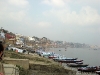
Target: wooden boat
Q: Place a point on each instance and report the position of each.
(79, 62)
(77, 65)
(52, 56)
(88, 69)
(44, 54)
(69, 61)
(97, 72)
(59, 58)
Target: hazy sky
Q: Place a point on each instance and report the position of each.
(75, 21)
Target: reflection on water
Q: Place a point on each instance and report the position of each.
(91, 57)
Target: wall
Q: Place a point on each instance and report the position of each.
(21, 62)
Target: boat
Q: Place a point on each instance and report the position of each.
(59, 50)
(52, 56)
(71, 58)
(63, 58)
(88, 69)
(95, 48)
(97, 72)
(69, 61)
(45, 54)
(79, 62)
(77, 65)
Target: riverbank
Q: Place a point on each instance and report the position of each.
(78, 72)
(39, 65)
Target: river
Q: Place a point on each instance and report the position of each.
(89, 56)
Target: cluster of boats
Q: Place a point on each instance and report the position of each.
(90, 69)
(71, 62)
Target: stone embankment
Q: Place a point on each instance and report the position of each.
(37, 65)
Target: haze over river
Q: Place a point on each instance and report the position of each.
(89, 56)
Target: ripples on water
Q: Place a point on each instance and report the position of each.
(90, 56)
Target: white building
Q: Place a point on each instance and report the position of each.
(2, 36)
(30, 38)
(19, 39)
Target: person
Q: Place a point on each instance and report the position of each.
(1, 54)
(1, 50)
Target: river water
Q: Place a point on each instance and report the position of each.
(89, 56)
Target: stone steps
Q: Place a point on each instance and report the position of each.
(10, 69)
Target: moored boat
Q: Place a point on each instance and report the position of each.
(88, 69)
(52, 56)
(45, 54)
(71, 58)
(97, 72)
(77, 65)
(69, 61)
(63, 58)
(79, 62)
